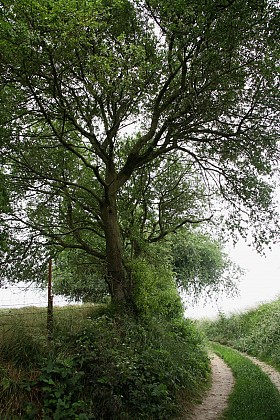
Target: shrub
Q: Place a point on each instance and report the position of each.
(156, 294)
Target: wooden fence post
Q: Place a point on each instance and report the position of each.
(50, 303)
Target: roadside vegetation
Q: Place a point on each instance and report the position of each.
(255, 332)
(99, 365)
(254, 396)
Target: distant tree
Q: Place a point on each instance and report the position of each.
(101, 98)
(188, 261)
(202, 267)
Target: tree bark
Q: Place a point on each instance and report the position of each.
(116, 272)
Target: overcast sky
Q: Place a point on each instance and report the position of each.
(260, 283)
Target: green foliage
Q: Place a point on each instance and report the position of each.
(201, 266)
(79, 277)
(4, 209)
(59, 382)
(162, 189)
(255, 331)
(254, 396)
(4, 195)
(155, 293)
(189, 260)
(136, 377)
(102, 366)
(123, 121)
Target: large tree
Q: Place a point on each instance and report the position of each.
(122, 121)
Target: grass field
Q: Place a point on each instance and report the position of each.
(255, 332)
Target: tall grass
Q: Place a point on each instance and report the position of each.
(99, 365)
(24, 333)
(256, 332)
(254, 397)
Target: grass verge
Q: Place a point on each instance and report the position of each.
(254, 397)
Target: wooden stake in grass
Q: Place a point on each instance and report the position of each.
(50, 303)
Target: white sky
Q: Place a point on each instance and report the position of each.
(21, 294)
(260, 283)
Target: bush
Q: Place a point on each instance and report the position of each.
(133, 370)
(156, 294)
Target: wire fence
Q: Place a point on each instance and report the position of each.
(21, 295)
(27, 306)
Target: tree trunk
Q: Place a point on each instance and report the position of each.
(117, 278)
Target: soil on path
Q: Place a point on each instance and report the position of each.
(215, 401)
(269, 370)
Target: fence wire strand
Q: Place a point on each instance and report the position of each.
(19, 310)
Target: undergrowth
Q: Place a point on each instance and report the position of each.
(254, 397)
(99, 365)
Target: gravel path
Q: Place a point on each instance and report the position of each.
(215, 401)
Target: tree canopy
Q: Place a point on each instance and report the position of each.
(122, 121)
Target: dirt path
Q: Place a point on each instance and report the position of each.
(215, 400)
(269, 370)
